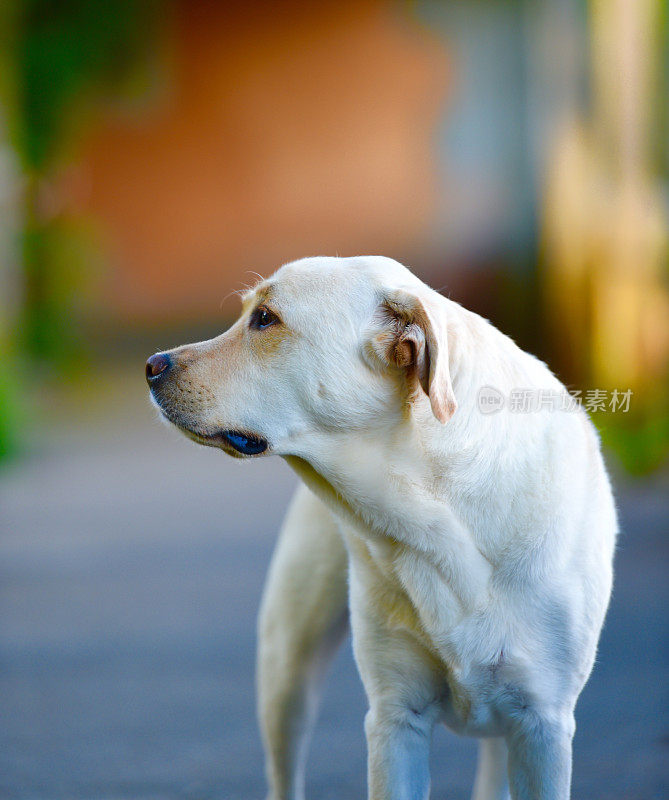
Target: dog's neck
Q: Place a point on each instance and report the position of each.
(393, 491)
(412, 481)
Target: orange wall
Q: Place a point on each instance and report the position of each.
(286, 130)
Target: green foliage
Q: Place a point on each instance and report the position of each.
(640, 442)
(57, 267)
(57, 58)
(9, 407)
(65, 48)
(65, 54)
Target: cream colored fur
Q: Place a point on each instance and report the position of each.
(473, 550)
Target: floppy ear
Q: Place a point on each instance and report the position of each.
(415, 339)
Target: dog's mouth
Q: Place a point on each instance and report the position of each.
(229, 440)
(232, 442)
(244, 443)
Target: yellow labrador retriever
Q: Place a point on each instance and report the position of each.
(454, 500)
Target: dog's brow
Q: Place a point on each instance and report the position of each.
(247, 299)
(254, 296)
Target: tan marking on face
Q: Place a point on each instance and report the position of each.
(212, 363)
(199, 368)
(205, 371)
(269, 341)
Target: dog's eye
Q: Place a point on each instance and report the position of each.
(261, 318)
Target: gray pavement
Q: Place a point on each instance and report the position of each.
(131, 566)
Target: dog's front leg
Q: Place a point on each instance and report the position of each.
(398, 744)
(303, 618)
(405, 684)
(540, 756)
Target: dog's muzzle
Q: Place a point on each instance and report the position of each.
(158, 367)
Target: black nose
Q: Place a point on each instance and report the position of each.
(157, 365)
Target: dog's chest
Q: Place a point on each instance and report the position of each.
(405, 592)
(408, 596)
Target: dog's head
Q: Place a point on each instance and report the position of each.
(339, 345)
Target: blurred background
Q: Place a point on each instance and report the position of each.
(156, 156)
